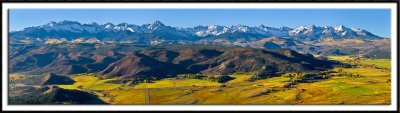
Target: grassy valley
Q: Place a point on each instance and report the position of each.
(366, 82)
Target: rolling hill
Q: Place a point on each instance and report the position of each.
(160, 61)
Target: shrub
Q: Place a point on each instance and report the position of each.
(219, 79)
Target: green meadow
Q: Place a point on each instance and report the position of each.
(370, 86)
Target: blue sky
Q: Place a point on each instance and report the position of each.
(376, 21)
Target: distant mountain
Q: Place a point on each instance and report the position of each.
(313, 32)
(123, 32)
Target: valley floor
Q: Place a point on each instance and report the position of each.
(369, 83)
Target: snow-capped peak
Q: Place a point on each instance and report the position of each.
(262, 26)
(297, 31)
(108, 25)
(68, 22)
(51, 23)
(158, 23)
(155, 25)
(340, 28)
(360, 31)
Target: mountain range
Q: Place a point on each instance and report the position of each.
(157, 30)
(325, 40)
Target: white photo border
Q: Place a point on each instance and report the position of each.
(394, 76)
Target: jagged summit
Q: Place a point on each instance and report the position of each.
(158, 23)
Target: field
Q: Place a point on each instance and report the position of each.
(371, 86)
(366, 82)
